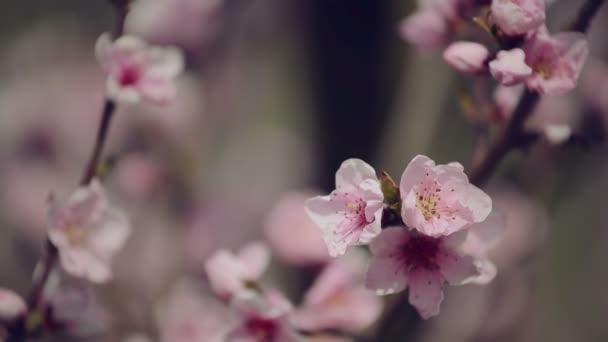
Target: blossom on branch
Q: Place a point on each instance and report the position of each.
(351, 214)
(137, 71)
(403, 258)
(518, 17)
(466, 57)
(88, 232)
(438, 200)
(509, 67)
(556, 61)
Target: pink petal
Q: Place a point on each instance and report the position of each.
(352, 173)
(386, 275)
(466, 57)
(426, 292)
(455, 268)
(255, 257)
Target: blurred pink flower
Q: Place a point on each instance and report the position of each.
(556, 60)
(87, 232)
(229, 274)
(338, 299)
(509, 67)
(351, 214)
(438, 200)
(466, 57)
(293, 236)
(426, 29)
(138, 71)
(187, 316)
(263, 319)
(403, 258)
(11, 305)
(518, 17)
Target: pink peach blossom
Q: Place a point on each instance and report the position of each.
(438, 200)
(263, 319)
(509, 67)
(338, 299)
(466, 57)
(293, 236)
(518, 17)
(88, 232)
(351, 214)
(403, 258)
(11, 305)
(228, 274)
(556, 61)
(138, 71)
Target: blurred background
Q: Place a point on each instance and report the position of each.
(277, 93)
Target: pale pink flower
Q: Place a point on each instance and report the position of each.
(88, 232)
(466, 57)
(293, 236)
(351, 214)
(556, 61)
(438, 199)
(263, 319)
(518, 17)
(426, 29)
(11, 305)
(138, 71)
(338, 299)
(509, 67)
(228, 273)
(403, 258)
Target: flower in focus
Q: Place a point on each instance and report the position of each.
(466, 57)
(88, 232)
(509, 67)
(291, 233)
(403, 258)
(229, 274)
(518, 17)
(138, 71)
(338, 299)
(438, 200)
(556, 61)
(11, 305)
(351, 214)
(263, 319)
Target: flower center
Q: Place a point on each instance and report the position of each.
(264, 330)
(428, 199)
(75, 234)
(544, 69)
(129, 76)
(420, 251)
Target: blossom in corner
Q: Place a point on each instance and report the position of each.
(229, 274)
(403, 258)
(466, 57)
(263, 318)
(438, 200)
(88, 232)
(556, 61)
(138, 71)
(510, 68)
(11, 305)
(518, 17)
(352, 213)
(338, 299)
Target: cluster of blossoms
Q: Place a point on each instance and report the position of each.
(337, 301)
(86, 232)
(446, 222)
(524, 52)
